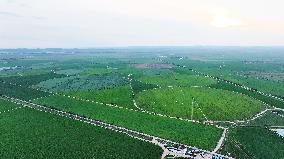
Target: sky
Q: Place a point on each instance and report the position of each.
(113, 23)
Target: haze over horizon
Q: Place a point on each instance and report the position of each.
(101, 23)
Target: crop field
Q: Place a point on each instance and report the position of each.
(178, 80)
(5, 106)
(121, 96)
(20, 92)
(271, 87)
(254, 142)
(78, 83)
(270, 118)
(100, 71)
(27, 133)
(187, 102)
(70, 72)
(141, 102)
(199, 135)
(269, 100)
(155, 72)
(27, 81)
(139, 86)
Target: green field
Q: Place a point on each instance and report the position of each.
(178, 80)
(30, 80)
(230, 87)
(121, 96)
(70, 71)
(254, 142)
(139, 86)
(194, 134)
(27, 133)
(82, 83)
(270, 87)
(5, 105)
(270, 118)
(215, 104)
(168, 92)
(21, 92)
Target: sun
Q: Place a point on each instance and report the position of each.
(221, 18)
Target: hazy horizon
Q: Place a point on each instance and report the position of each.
(126, 23)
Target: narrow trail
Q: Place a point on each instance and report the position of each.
(221, 141)
(133, 94)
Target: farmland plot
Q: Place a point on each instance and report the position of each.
(139, 86)
(5, 106)
(194, 134)
(215, 104)
(27, 133)
(121, 96)
(31, 79)
(231, 87)
(178, 80)
(270, 118)
(253, 142)
(20, 92)
(78, 83)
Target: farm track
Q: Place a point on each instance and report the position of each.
(191, 152)
(132, 91)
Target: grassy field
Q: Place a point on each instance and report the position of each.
(69, 72)
(139, 86)
(270, 118)
(178, 80)
(31, 79)
(174, 102)
(168, 80)
(121, 96)
(254, 142)
(194, 134)
(20, 92)
(269, 100)
(27, 133)
(5, 105)
(83, 83)
(233, 69)
(215, 104)
(267, 86)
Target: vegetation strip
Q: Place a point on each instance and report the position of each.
(29, 133)
(131, 133)
(215, 104)
(267, 101)
(253, 142)
(106, 104)
(10, 110)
